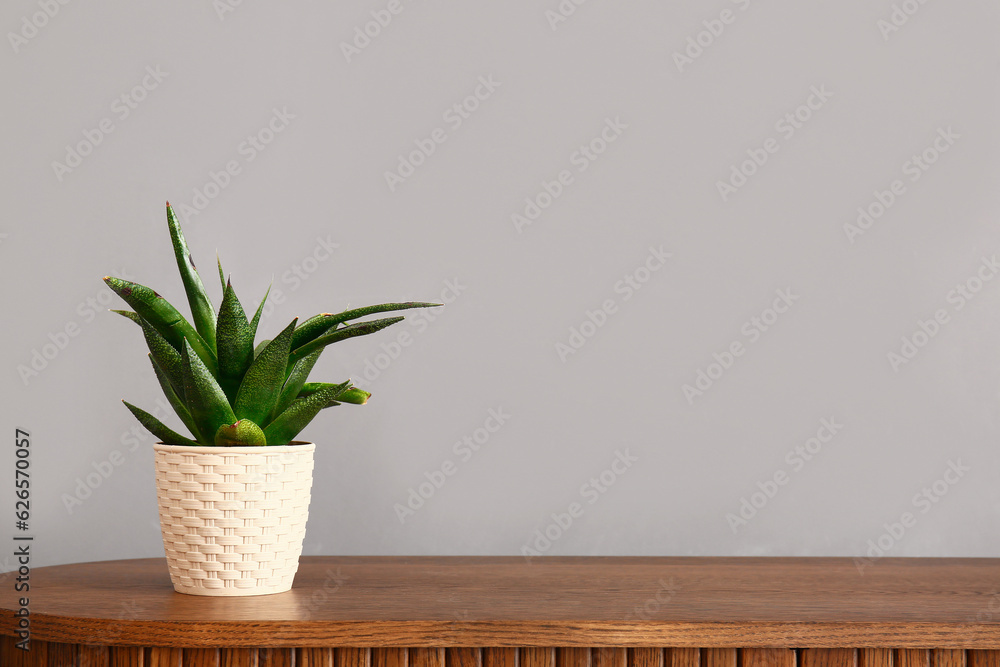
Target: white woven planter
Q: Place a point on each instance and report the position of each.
(233, 518)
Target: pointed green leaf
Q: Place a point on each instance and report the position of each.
(320, 324)
(355, 396)
(294, 383)
(222, 276)
(243, 433)
(347, 394)
(262, 383)
(165, 356)
(128, 314)
(164, 317)
(201, 308)
(234, 342)
(256, 316)
(158, 428)
(312, 388)
(295, 418)
(175, 401)
(260, 346)
(350, 331)
(203, 397)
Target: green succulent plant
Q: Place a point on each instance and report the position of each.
(225, 388)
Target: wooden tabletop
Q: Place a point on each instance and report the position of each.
(549, 601)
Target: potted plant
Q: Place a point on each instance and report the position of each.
(234, 497)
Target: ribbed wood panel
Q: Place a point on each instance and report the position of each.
(876, 657)
(90, 655)
(46, 654)
(507, 657)
(916, 657)
(537, 657)
(683, 657)
(314, 657)
(980, 658)
(718, 657)
(610, 657)
(275, 657)
(352, 657)
(202, 657)
(239, 657)
(767, 657)
(127, 656)
(948, 657)
(573, 657)
(390, 657)
(828, 657)
(164, 657)
(463, 657)
(645, 657)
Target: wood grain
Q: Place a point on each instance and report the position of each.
(314, 657)
(426, 657)
(611, 657)
(984, 658)
(390, 657)
(948, 658)
(506, 657)
(202, 657)
(352, 657)
(584, 602)
(239, 657)
(573, 657)
(126, 656)
(645, 657)
(876, 657)
(718, 657)
(683, 657)
(164, 657)
(276, 657)
(463, 657)
(93, 656)
(62, 654)
(537, 657)
(913, 658)
(828, 657)
(767, 657)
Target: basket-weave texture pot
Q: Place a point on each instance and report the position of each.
(233, 518)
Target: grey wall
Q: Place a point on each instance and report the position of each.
(582, 321)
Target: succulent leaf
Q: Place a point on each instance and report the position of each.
(311, 388)
(175, 401)
(350, 331)
(348, 393)
(243, 433)
(201, 308)
(165, 356)
(203, 397)
(163, 316)
(129, 315)
(319, 324)
(262, 383)
(158, 428)
(256, 316)
(355, 396)
(234, 341)
(260, 346)
(222, 276)
(294, 382)
(302, 410)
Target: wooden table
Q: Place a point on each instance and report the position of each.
(509, 612)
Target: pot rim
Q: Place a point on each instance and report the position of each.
(294, 445)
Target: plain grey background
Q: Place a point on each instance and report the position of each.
(619, 120)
